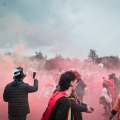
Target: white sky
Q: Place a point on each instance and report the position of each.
(67, 27)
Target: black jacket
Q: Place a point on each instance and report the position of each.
(16, 94)
(77, 107)
(60, 110)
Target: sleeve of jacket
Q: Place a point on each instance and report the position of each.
(78, 107)
(5, 98)
(83, 104)
(33, 88)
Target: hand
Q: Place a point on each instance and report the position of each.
(34, 75)
(86, 89)
(89, 109)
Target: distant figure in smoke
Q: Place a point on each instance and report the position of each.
(116, 85)
(80, 88)
(116, 109)
(110, 84)
(16, 94)
(106, 99)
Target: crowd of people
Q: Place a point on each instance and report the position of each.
(66, 101)
(66, 90)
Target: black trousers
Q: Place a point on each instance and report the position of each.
(17, 118)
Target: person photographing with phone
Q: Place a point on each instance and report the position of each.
(16, 94)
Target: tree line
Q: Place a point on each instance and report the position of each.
(61, 63)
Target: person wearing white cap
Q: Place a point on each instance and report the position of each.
(16, 94)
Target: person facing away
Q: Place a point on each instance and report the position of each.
(16, 94)
(59, 104)
(106, 99)
(116, 85)
(80, 88)
(110, 84)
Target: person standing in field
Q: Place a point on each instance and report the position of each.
(16, 94)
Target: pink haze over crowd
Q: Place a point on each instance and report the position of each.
(91, 74)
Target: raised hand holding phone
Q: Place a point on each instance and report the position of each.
(34, 74)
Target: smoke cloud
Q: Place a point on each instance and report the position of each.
(51, 25)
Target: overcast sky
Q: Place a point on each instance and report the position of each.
(67, 27)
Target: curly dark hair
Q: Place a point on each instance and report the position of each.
(65, 80)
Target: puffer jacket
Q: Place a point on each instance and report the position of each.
(16, 94)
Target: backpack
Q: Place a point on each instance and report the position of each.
(54, 98)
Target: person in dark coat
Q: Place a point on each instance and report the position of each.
(16, 94)
(77, 107)
(116, 85)
(59, 104)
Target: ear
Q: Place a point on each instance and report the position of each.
(71, 83)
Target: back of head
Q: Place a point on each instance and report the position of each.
(18, 73)
(111, 76)
(66, 79)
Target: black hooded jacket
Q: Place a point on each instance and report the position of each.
(16, 94)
